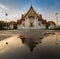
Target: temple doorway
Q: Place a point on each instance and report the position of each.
(31, 22)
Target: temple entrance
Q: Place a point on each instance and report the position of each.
(31, 25)
(31, 22)
(31, 19)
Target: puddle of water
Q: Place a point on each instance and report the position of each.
(30, 48)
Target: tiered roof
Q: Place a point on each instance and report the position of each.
(39, 16)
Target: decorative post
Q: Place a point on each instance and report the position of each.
(57, 18)
(6, 21)
(27, 23)
(57, 41)
(35, 23)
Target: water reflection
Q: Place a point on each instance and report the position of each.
(30, 42)
(57, 39)
(20, 47)
(33, 42)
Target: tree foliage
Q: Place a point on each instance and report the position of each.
(2, 25)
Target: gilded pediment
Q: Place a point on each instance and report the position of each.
(31, 12)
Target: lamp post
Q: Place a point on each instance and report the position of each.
(6, 21)
(57, 26)
(56, 18)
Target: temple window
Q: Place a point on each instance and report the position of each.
(39, 23)
(24, 24)
(31, 16)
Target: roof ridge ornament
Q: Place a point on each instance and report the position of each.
(31, 6)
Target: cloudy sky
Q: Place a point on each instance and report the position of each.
(15, 8)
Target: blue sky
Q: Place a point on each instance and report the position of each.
(21, 4)
(47, 8)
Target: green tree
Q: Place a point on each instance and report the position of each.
(2, 25)
(15, 26)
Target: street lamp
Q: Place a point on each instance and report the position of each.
(6, 20)
(56, 18)
(57, 26)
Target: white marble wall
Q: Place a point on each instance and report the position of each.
(19, 26)
(11, 26)
(35, 23)
(27, 23)
(41, 25)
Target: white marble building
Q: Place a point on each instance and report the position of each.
(31, 20)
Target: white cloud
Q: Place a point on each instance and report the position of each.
(12, 13)
(2, 7)
(49, 14)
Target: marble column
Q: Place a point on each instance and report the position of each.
(27, 22)
(35, 23)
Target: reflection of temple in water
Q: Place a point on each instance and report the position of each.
(30, 42)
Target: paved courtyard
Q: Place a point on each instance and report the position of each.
(25, 32)
(13, 47)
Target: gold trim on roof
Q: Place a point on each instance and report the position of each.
(29, 11)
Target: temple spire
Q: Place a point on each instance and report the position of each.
(31, 6)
